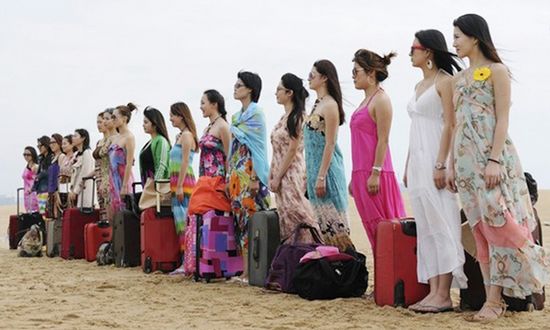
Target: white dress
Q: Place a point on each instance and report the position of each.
(436, 211)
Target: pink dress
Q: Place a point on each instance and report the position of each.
(387, 203)
(29, 197)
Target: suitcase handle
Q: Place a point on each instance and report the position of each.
(256, 250)
(18, 201)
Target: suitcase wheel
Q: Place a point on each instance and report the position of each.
(148, 265)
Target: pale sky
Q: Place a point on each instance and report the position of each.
(64, 61)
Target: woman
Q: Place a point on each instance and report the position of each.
(326, 182)
(214, 143)
(101, 156)
(155, 154)
(489, 176)
(182, 178)
(29, 176)
(53, 174)
(440, 255)
(373, 183)
(82, 191)
(65, 172)
(121, 158)
(288, 167)
(41, 180)
(247, 165)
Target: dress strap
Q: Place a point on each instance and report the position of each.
(372, 96)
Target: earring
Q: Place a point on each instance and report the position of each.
(429, 64)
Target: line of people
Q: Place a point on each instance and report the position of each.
(458, 140)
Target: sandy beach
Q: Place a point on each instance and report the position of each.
(54, 293)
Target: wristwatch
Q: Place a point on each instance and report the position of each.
(377, 169)
(440, 166)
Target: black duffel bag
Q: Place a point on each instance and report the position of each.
(338, 276)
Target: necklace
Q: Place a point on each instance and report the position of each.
(212, 124)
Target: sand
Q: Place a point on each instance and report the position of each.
(54, 293)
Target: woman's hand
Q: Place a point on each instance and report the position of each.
(350, 189)
(124, 191)
(72, 197)
(320, 188)
(451, 181)
(254, 187)
(492, 175)
(373, 183)
(275, 184)
(439, 178)
(179, 194)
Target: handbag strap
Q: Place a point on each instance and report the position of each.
(296, 233)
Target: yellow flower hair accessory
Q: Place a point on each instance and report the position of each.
(482, 73)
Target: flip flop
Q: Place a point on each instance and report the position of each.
(434, 309)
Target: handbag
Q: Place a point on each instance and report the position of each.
(341, 275)
(209, 194)
(156, 193)
(287, 258)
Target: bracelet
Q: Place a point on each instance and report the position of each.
(322, 178)
(377, 169)
(493, 160)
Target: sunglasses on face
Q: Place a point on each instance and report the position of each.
(238, 85)
(52, 142)
(26, 155)
(413, 47)
(354, 71)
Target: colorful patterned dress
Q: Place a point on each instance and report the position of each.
(101, 156)
(292, 205)
(501, 218)
(179, 209)
(117, 160)
(29, 196)
(243, 204)
(212, 157)
(330, 210)
(387, 203)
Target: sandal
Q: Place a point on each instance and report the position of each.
(492, 306)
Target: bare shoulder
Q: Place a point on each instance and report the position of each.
(381, 101)
(444, 81)
(500, 70)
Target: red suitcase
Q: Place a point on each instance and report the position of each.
(395, 280)
(95, 234)
(72, 230)
(159, 242)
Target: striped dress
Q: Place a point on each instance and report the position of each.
(179, 209)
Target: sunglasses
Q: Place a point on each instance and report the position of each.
(26, 154)
(52, 142)
(413, 47)
(238, 85)
(354, 71)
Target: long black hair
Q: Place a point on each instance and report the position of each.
(84, 133)
(299, 96)
(214, 96)
(327, 69)
(435, 42)
(475, 26)
(157, 119)
(45, 142)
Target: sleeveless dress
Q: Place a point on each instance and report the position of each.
(117, 160)
(387, 203)
(436, 212)
(29, 196)
(179, 209)
(101, 157)
(292, 205)
(330, 210)
(213, 159)
(502, 218)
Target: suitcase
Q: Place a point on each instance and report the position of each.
(473, 297)
(126, 236)
(72, 231)
(189, 260)
(53, 234)
(159, 242)
(217, 255)
(95, 234)
(264, 237)
(21, 222)
(395, 279)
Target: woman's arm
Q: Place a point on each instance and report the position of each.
(445, 90)
(382, 116)
(187, 142)
(287, 160)
(162, 157)
(332, 121)
(130, 146)
(502, 88)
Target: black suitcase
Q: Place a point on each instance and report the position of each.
(264, 236)
(127, 234)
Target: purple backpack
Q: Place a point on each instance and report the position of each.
(287, 258)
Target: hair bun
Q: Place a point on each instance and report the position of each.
(131, 106)
(387, 58)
